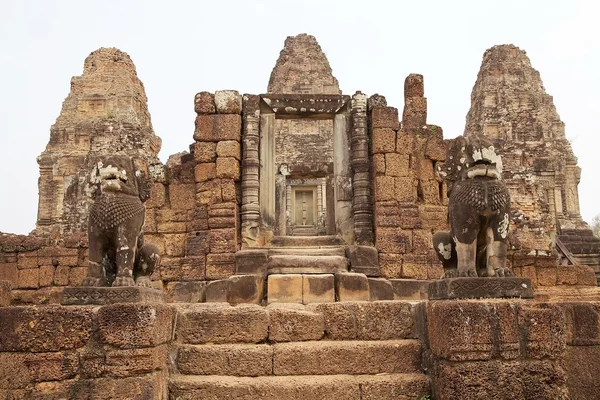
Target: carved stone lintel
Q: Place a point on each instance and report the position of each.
(477, 287)
(88, 295)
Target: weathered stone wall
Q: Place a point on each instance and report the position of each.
(501, 349)
(194, 216)
(115, 351)
(105, 113)
(304, 143)
(410, 199)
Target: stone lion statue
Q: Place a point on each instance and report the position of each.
(478, 211)
(118, 255)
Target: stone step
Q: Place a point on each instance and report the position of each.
(300, 241)
(304, 264)
(309, 251)
(324, 357)
(324, 387)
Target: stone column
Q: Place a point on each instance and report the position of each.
(362, 201)
(250, 210)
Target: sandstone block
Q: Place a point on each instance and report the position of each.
(61, 275)
(54, 366)
(293, 323)
(284, 288)
(405, 143)
(150, 221)
(223, 240)
(385, 188)
(582, 364)
(132, 362)
(5, 296)
(216, 291)
(186, 292)
(363, 259)
(414, 86)
(49, 328)
(220, 265)
(214, 128)
(246, 289)
(221, 323)
(379, 164)
(434, 217)
(229, 148)
(409, 289)
(414, 115)
(205, 171)
(251, 261)
(545, 331)
(453, 337)
(583, 324)
(390, 265)
(228, 102)
(228, 168)
(9, 272)
(46, 275)
(521, 379)
(229, 191)
(204, 103)
(566, 275)
(28, 278)
(174, 244)
(351, 286)
(197, 244)
(318, 288)
(392, 240)
(397, 164)
(268, 387)
(204, 152)
(384, 140)
(222, 215)
(209, 192)
(436, 149)
(422, 241)
(585, 275)
(405, 189)
(385, 117)
(149, 386)
(27, 260)
(182, 196)
(379, 320)
(347, 357)
(380, 289)
(412, 269)
(226, 359)
(133, 325)
(546, 276)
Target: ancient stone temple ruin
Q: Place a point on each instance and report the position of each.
(296, 247)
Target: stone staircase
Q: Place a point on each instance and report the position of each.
(583, 246)
(307, 255)
(351, 351)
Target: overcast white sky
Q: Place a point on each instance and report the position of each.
(183, 47)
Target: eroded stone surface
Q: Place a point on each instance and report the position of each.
(302, 67)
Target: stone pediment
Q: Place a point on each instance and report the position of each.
(304, 105)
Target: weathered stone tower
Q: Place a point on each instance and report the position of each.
(510, 106)
(106, 112)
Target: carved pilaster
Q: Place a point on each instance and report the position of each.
(362, 200)
(250, 210)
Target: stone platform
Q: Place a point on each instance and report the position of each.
(477, 287)
(88, 295)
